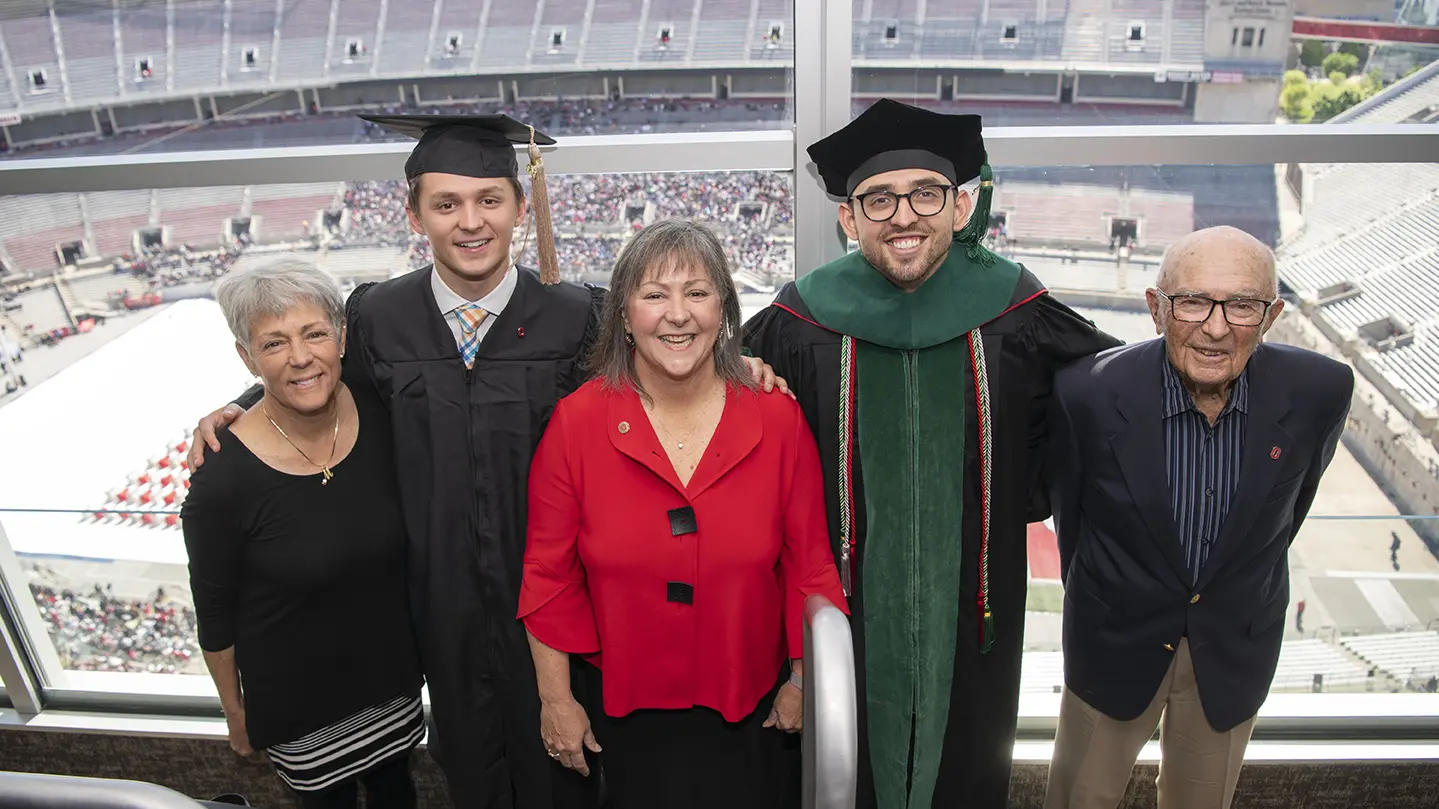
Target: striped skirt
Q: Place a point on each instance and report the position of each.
(331, 755)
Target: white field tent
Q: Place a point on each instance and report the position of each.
(81, 434)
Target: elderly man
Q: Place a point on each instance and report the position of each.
(1180, 470)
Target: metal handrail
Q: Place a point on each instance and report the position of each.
(34, 791)
(831, 721)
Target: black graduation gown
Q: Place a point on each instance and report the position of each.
(1023, 348)
(463, 444)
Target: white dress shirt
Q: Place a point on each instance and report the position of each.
(494, 303)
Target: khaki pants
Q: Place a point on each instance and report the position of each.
(1094, 754)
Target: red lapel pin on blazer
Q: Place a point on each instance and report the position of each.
(1274, 453)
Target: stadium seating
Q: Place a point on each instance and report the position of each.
(142, 36)
(1042, 673)
(199, 33)
(614, 34)
(303, 34)
(352, 52)
(1186, 37)
(30, 46)
(219, 46)
(1405, 656)
(1301, 660)
(114, 218)
(405, 43)
(89, 42)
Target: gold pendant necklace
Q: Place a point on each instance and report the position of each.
(334, 442)
(680, 442)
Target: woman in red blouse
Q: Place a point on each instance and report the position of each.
(676, 526)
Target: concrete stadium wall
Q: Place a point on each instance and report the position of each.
(758, 83)
(898, 83)
(258, 103)
(578, 85)
(459, 88)
(51, 127)
(360, 94)
(1253, 102)
(141, 116)
(1023, 86)
(671, 84)
(1136, 89)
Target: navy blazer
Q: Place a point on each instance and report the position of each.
(1127, 596)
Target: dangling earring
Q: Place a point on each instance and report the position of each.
(629, 339)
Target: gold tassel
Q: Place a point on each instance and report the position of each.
(540, 210)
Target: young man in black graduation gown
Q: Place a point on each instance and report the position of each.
(923, 363)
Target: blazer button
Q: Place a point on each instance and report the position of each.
(1194, 600)
(1169, 646)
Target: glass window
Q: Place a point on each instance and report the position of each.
(1248, 40)
(243, 77)
(99, 543)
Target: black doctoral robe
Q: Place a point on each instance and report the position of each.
(463, 443)
(1022, 347)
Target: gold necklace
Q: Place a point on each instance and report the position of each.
(334, 442)
(679, 443)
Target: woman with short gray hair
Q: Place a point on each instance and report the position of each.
(676, 526)
(297, 556)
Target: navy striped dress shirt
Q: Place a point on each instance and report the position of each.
(1203, 463)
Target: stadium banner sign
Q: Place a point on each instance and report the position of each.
(1181, 76)
(1199, 76)
(1258, 9)
(9, 118)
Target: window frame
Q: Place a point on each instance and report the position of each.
(821, 103)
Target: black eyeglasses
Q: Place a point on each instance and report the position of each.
(1237, 311)
(881, 206)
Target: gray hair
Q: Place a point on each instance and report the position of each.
(667, 242)
(273, 290)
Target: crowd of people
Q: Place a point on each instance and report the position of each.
(98, 631)
(752, 211)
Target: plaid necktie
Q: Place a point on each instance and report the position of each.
(470, 316)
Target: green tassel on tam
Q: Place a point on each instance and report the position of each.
(986, 638)
(972, 236)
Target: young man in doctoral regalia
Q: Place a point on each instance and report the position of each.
(471, 356)
(923, 363)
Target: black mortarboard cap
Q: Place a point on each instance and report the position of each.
(890, 136)
(467, 145)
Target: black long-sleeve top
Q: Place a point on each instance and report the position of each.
(306, 582)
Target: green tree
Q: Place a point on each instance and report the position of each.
(1355, 49)
(1346, 63)
(1293, 77)
(1312, 53)
(1372, 82)
(1296, 103)
(1328, 105)
(1338, 79)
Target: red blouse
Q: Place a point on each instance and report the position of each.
(694, 594)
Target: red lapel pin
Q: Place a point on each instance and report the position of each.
(1274, 453)
(521, 331)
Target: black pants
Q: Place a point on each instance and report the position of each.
(387, 786)
(664, 759)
